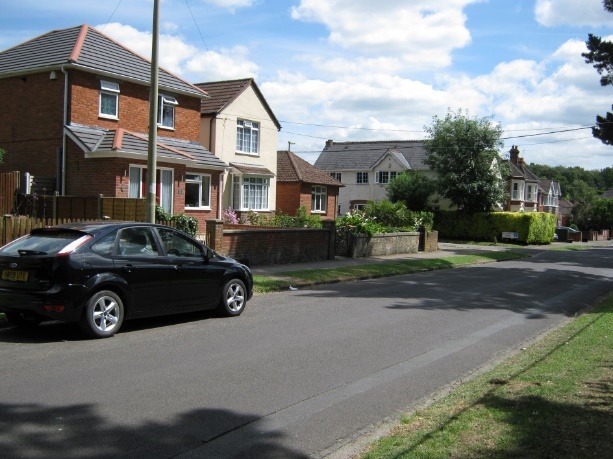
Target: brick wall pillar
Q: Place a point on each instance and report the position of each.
(214, 232)
(330, 225)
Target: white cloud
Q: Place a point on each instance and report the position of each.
(423, 32)
(179, 57)
(551, 13)
(231, 5)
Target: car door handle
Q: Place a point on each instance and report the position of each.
(128, 268)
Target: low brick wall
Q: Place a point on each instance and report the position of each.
(384, 244)
(268, 246)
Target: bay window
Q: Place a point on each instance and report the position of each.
(250, 192)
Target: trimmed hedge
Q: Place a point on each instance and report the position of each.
(532, 227)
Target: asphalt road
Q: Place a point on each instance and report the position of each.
(299, 374)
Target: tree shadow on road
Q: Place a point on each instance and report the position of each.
(28, 430)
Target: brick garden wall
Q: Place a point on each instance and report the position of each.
(266, 246)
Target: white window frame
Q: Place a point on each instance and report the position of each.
(108, 89)
(319, 199)
(166, 102)
(248, 137)
(530, 195)
(251, 189)
(361, 178)
(203, 181)
(384, 177)
(138, 181)
(336, 175)
(517, 191)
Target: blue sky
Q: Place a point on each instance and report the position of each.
(352, 70)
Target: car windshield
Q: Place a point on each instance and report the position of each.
(44, 243)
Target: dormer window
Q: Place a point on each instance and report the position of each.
(109, 100)
(247, 136)
(166, 111)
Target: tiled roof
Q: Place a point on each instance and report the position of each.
(292, 168)
(607, 194)
(521, 171)
(223, 93)
(546, 185)
(252, 169)
(351, 156)
(117, 142)
(87, 49)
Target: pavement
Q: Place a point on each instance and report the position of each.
(445, 249)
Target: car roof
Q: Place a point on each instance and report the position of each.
(94, 227)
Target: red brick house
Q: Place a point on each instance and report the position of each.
(76, 112)
(302, 184)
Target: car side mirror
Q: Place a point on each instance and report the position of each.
(208, 254)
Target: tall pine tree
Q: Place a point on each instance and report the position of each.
(600, 55)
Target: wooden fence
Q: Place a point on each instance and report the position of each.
(9, 185)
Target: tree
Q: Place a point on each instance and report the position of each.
(463, 152)
(600, 55)
(412, 188)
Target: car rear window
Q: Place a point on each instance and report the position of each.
(42, 243)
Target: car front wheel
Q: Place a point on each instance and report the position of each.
(103, 314)
(233, 298)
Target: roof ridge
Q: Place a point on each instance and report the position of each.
(78, 46)
(290, 155)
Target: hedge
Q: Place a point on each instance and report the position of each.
(532, 227)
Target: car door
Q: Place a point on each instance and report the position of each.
(194, 282)
(145, 270)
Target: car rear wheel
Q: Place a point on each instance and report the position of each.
(233, 298)
(22, 319)
(103, 314)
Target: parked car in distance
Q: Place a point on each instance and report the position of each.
(567, 234)
(101, 273)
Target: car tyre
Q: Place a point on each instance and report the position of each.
(233, 298)
(23, 320)
(103, 314)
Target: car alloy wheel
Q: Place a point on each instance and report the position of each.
(233, 298)
(103, 314)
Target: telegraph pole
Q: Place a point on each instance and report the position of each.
(153, 111)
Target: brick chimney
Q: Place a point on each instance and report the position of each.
(329, 143)
(514, 154)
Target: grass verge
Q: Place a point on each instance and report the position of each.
(554, 399)
(301, 278)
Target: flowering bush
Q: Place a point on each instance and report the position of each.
(229, 216)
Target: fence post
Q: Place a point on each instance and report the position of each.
(330, 225)
(6, 224)
(100, 214)
(55, 195)
(214, 234)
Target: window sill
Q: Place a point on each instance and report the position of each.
(108, 117)
(166, 128)
(318, 212)
(197, 208)
(246, 153)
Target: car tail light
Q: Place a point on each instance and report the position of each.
(74, 245)
(53, 307)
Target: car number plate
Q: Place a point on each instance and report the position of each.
(13, 275)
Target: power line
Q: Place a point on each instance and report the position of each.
(202, 38)
(111, 16)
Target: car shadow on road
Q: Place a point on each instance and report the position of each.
(54, 331)
(32, 430)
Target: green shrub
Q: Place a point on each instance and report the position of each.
(532, 227)
(302, 219)
(182, 222)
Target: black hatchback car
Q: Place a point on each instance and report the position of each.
(101, 273)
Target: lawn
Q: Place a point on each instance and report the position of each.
(552, 400)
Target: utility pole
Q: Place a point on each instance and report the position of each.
(153, 111)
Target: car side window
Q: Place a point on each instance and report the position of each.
(137, 241)
(176, 245)
(105, 245)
